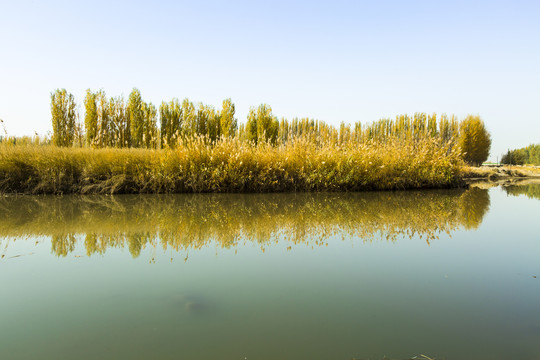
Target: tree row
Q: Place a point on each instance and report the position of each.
(523, 156)
(116, 122)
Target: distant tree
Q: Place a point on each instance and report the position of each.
(262, 125)
(227, 121)
(79, 137)
(189, 118)
(201, 120)
(63, 117)
(432, 130)
(150, 130)
(521, 156)
(170, 115)
(213, 126)
(90, 117)
(136, 118)
(103, 122)
(419, 125)
(474, 140)
(357, 132)
(251, 126)
(534, 154)
(344, 133)
(118, 122)
(283, 131)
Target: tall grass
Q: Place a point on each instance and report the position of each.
(232, 165)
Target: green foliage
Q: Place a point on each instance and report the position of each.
(103, 126)
(136, 118)
(171, 122)
(261, 125)
(213, 127)
(227, 122)
(527, 155)
(63, 117)
(90, 117)
(119, 126)
(150, 131)
(474, 140)
(189, 118)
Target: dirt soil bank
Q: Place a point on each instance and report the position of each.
(502, 174)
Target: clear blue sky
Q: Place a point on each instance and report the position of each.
(335, 61)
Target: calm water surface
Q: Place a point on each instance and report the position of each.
(449, 274)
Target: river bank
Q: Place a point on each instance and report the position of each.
(501, 174)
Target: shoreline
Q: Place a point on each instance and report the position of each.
(484, 176)
(502, 174)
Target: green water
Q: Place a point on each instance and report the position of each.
(448, 274)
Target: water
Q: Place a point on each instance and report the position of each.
(448, 274)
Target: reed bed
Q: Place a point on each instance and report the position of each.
(231, 165)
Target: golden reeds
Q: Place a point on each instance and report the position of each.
(232, 165)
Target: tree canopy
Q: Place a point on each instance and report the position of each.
(474, 140)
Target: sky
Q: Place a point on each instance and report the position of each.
(337, 61)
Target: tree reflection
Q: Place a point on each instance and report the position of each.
(532, 191)
(474, 205)
(193, 221)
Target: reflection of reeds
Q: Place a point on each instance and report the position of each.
(193, 221)
(231, 165)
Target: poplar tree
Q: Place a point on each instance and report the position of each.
(170, 115)
(201, 122)
(90, 116)
(63, 117)
(118, 122)
(213, 126)
(136, 118)
(357, 132)
(284, 131)
(432, 125)
(150, 131)
(103, 126)
(344, 133)
(189, 118)
(227, 121)
(164, 124)
(419, 125)
(262, 125)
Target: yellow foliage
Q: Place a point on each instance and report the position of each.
(232, 165)
(474, 140)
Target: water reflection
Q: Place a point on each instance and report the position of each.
(193, 221)
(531, 190)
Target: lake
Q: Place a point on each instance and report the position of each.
(452, 274)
